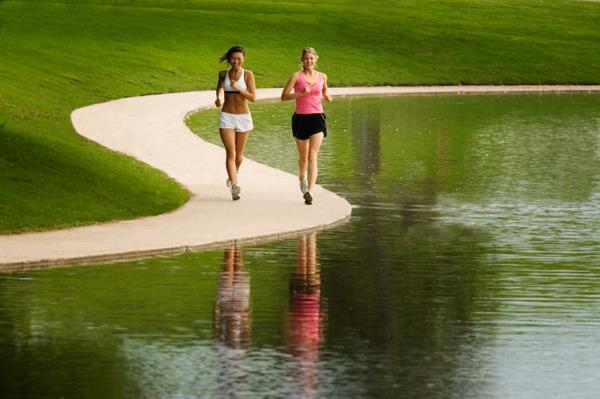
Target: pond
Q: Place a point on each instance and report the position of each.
(469, 269)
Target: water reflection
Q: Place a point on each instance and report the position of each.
(306, 315)
(469, 270)
(232, 316)
(366, 128)
(232, 324)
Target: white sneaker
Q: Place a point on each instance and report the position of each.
(228, 183)
(303, 185)
(235, 192)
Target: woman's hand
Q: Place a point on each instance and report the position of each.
(218, 102)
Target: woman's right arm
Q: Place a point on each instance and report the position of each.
(219, 88)
(287, 94)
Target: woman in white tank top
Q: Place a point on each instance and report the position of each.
(235, 122)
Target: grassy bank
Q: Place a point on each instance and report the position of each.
(57, 56)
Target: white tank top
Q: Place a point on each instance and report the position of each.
(227, 83)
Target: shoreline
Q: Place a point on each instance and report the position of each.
(152, 129)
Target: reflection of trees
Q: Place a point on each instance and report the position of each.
(410, 301)
(40, 357)
(305, 330)
(410, 284)
(365, 130)
(412, 288)
(14, 373)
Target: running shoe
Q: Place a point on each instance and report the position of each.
(228, 183)
(235, 192)
(308, 199)
(303, 185)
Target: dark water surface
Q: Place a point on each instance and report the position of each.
(470, 269)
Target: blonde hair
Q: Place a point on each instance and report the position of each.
(310, 50)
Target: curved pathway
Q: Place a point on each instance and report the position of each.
(152, 129)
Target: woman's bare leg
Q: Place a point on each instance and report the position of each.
(313, 152)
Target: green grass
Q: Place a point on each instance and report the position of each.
(56, 56)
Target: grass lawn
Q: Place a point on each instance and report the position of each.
(56, 56)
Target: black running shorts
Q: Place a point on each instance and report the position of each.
(305, 125)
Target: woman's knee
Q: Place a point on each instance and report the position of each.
(230, 153)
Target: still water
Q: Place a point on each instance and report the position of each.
(470, 269)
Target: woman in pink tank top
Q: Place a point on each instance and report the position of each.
(309, 126)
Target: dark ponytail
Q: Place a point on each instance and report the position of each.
(235, 49)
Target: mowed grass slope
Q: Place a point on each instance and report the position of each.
(57, 56)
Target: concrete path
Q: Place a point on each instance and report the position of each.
(152, 129)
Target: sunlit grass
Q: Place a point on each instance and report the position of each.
(57, 56)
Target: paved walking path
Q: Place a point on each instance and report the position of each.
(152, 129)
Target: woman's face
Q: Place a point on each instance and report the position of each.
(236, 60)
(309, 60)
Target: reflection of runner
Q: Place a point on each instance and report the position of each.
(232, 320)
(305, 330)
(232, 325)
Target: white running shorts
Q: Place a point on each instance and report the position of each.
(237, 122)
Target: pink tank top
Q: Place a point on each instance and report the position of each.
(310, 103)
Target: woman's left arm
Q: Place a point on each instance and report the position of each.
(250, 95)
(326, 95)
